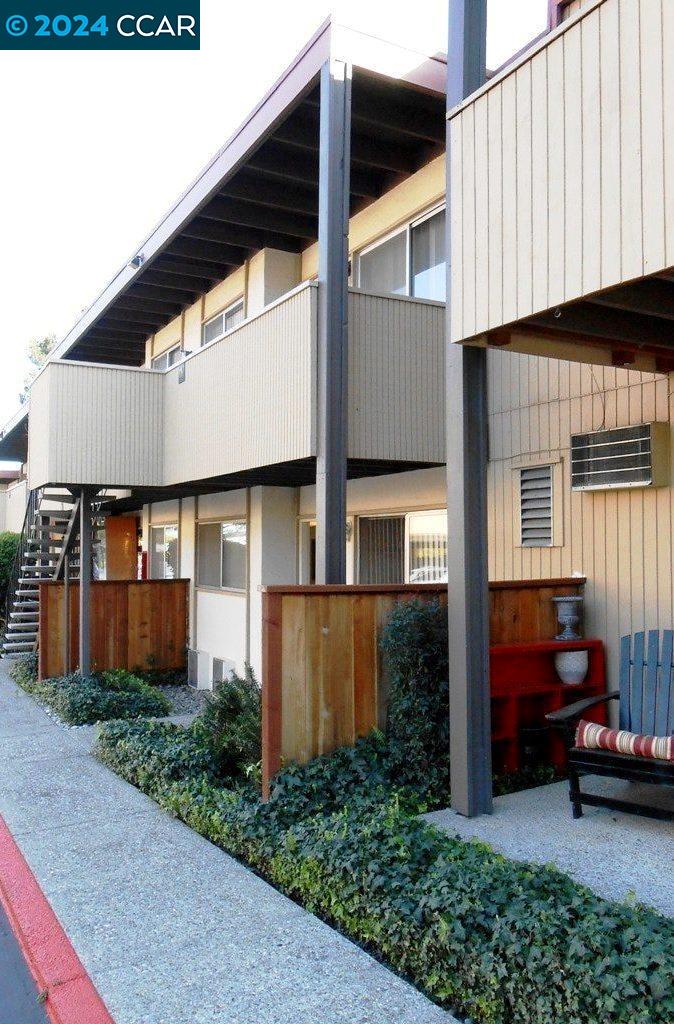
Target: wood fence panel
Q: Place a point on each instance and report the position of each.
(134, 624)
(324, 680)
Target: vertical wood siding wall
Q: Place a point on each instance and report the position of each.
(396, 378)
(134, 624)
(95, 425)
(324, 682)
(248, 400)
(621, 540)
(562, 171)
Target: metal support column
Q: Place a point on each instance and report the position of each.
(333, 236)
(85, 581)
(467, 455)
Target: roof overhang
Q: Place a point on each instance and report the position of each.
(14, 437)
(261, 188)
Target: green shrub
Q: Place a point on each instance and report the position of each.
(23, 671)
(83, 701)
(151, 755)
(9, 542)
(498, 941)
(414, 644)
(230, 725)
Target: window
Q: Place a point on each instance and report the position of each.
(536, 506)
(164, 552)
(410, 262)
(223, 322)
(168, 358)
(381, 550)
(408, 548)
(221, 555)
(428, 258)
(384, 267)
(427, 547)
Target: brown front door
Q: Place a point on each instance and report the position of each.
(121, 547)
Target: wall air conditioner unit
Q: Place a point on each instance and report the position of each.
(222, 669)
(199, 669)
(621, 457)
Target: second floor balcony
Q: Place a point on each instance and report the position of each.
(243, 410)
(562, 215)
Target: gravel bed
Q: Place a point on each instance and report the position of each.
(185, 699)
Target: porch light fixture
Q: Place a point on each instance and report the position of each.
(137, 261)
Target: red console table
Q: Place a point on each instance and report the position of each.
(525, 687)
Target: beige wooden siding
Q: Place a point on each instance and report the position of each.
(248, 400)
(396, 378)
(562, 170)
(621, 540)
(95, 425)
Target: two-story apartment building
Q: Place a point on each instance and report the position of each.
(197, 387)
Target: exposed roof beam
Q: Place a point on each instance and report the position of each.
(101, 353)
(612, 324)
(265, 191)
(142, 323)
(395, 115)
(132, 336)
(231, 211)
(213, 230)
(177, 268)
(650, 297)
(302, 130)
(154, 306)
(163, 286)
(278, 160)
(109, 350)
(221, 256)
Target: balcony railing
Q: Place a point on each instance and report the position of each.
(245, 401)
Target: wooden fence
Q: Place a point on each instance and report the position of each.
(134, 624)
(323, 679)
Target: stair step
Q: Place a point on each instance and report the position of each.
(22, 615)
(16, 645)
(64, 498)
(21, 629)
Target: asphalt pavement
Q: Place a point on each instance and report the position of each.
(19, 1003)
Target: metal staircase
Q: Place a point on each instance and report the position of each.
(48, 548)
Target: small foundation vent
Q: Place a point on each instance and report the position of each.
(199, 669)
(222, 669)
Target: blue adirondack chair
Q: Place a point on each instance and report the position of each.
(646, 698)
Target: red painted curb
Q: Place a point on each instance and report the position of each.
(70, 996)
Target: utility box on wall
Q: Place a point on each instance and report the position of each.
(621, 457)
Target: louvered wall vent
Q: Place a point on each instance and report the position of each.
(536, 506)
(622, 457)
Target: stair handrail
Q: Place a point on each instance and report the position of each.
(68, 540)
(32, 505)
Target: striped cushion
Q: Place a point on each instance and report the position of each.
(593, 736)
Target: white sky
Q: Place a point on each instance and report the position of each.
(96, 146)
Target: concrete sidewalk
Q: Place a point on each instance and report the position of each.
(171, 929)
